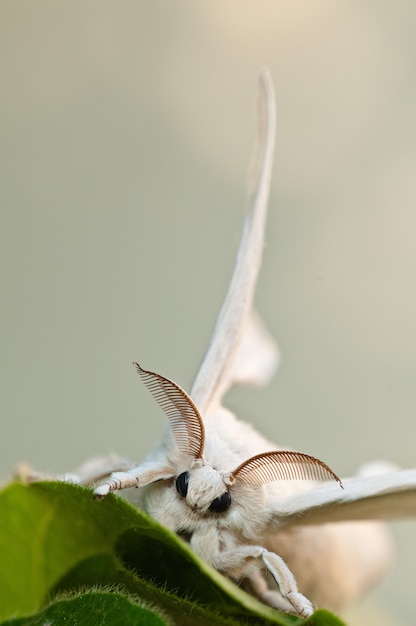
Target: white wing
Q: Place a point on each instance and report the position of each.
(256, 356)
(242, 352)
(217, 372)
(384, 496)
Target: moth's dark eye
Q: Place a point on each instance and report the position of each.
(221, 504)
(182, 484)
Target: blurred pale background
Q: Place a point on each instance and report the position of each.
(126, 130)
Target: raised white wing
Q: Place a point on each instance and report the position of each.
(256, 356)
(383, 496)
(220, 368)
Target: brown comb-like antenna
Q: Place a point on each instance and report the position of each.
(184, 418)
(282, 465)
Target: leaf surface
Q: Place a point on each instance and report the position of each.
(55, 538)
(96, 608)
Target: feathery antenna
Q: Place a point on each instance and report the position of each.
(184, 417)
(282, 465)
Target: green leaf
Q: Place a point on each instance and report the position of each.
(97, 608)
(323, 618)
(56, 538)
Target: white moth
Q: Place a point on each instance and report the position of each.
(245, 506)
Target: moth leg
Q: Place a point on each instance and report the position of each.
(258, 586)
(116, 482)
(286, 583)
(135, 477)
(98, 468)
(88, 473)
(27, 474)
(278, 569)
(234, 561)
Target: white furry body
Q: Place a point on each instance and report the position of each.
(228, 491)
(333, 563)
(319, 556)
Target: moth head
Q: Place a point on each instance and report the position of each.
(204, 489)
